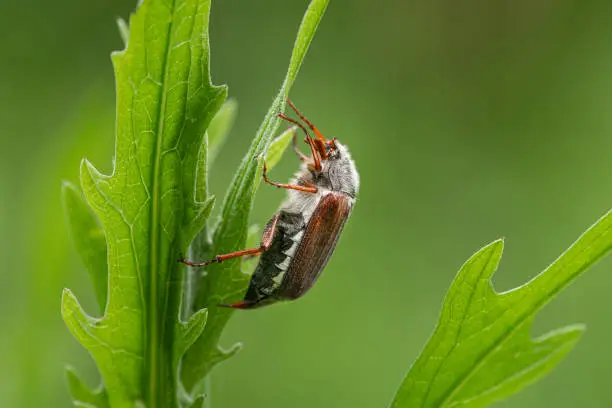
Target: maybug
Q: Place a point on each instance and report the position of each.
(300, 238)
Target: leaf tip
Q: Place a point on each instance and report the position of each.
(68, 193)
(224, 354)
(483, 263)
(569, 334)
(67, 295)
(70, 304)
(198, 402)
(499, 242)
(68, 187)
(87, 166)
(494, 250)
(92, 181)
(197, 320)
(76, 385)
(82, 394)
(232, 106)
(79, 323)
(124, 30)
(70, 373)
(191, 330)
(223, 90)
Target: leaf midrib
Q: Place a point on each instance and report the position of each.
(153, 338)
(469, 303)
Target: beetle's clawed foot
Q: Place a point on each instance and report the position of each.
(241, 304)
(189, 263)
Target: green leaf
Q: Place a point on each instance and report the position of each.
(225, 282)
(89, 240)
(83, 395)
(253, 240)
(278, 146)
(214, 139)
(253, 236)
(481, 350)
(148, 206)
(190, 331)
(220, 127)
(124, 30)
(198, 402)
(201, 246)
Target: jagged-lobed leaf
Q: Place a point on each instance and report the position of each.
(89, 240)
(83, 395)
(215, 138)
(220, 127)
(481, 350)
(278, 146)
(148, 207)
(225, 282)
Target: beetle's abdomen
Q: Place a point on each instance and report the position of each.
(275, 261)
(316, 245)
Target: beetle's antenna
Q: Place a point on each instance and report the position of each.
(295, 122)
(310, 125)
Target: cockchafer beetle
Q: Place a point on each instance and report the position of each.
(300, 238)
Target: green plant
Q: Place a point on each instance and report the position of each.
(157, 338)
(152, 207)
(482, 350)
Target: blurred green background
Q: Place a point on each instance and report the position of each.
(468, 121)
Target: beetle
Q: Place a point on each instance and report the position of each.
(301, 236)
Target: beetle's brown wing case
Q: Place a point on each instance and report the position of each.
(316, 246)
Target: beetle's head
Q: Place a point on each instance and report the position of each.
(323, 149)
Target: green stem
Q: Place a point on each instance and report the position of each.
(155, 340)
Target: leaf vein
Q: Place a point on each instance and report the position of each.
(456, 340)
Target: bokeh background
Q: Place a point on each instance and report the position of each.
(468, 120)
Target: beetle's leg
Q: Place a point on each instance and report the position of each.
(309, 123)
(250, 256)
(297, 151)
(266, 241)
(242, 304)
(315, 155)
(307, 189)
